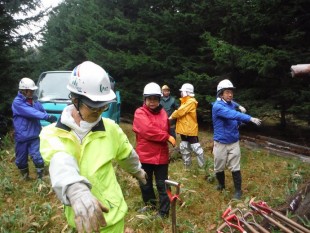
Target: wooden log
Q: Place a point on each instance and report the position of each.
(300, 70)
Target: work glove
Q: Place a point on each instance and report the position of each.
(172, 141)
(88, 210)
(256, 121)
(242, 109)
(141, 176)
(51, 118)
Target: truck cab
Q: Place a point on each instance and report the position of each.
(53, 94)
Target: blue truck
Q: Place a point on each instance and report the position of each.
(53, 94)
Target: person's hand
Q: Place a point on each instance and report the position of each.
(88, 210)
(172, 141)
(256, 121)
(141, 176)
(242, 109)
(51, 118)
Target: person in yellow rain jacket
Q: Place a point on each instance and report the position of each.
(79, 150)
(187, 126)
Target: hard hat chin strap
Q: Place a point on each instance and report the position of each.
(77, 107)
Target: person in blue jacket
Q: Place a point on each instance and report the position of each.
(27, 113)
(226, 150)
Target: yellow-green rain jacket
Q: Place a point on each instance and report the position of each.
(89, 162)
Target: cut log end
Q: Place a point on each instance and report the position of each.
(300, 70)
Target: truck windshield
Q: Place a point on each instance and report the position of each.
(53, 86)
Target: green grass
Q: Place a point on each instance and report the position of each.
(33, 207)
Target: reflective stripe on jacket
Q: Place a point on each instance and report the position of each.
(152, 133)
(103, 144)
(226, 121)
(186, 117)
(26, 118)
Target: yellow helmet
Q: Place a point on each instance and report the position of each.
(165, 87)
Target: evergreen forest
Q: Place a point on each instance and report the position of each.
(253, 43)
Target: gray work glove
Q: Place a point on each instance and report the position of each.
(242, 109)
(88, 210)
(51, 118)
(256, 121)
(141, 176)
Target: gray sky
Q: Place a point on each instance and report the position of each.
(37, 26)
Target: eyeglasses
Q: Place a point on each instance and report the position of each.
(100, 109)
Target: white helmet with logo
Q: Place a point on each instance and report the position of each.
(27, 84)
(187, 89)
(223, 85)
(152, 89)
(92, 83)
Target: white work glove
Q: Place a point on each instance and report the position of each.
(256, 121)
(88, 210)
(242, 109)
(141, 176)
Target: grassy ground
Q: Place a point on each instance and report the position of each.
(32, 206)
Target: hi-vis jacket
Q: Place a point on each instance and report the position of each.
(89, 162)
(186, 117)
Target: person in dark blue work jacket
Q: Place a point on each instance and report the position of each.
(27, 113)
(170, 104)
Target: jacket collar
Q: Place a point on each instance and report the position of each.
(97, 127)
(154, 111)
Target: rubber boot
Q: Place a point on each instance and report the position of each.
(40, 171)
(237, 183)
(25, 173)
(220, 176)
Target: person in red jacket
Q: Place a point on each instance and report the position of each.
(151, 127)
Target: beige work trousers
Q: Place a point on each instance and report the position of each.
(226, 155)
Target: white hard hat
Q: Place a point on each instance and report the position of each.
(91, 81)
(152, 89)
(187, 89)
(27, 83)
(223, 85)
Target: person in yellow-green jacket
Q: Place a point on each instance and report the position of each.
(187, 126)
(79, 150)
